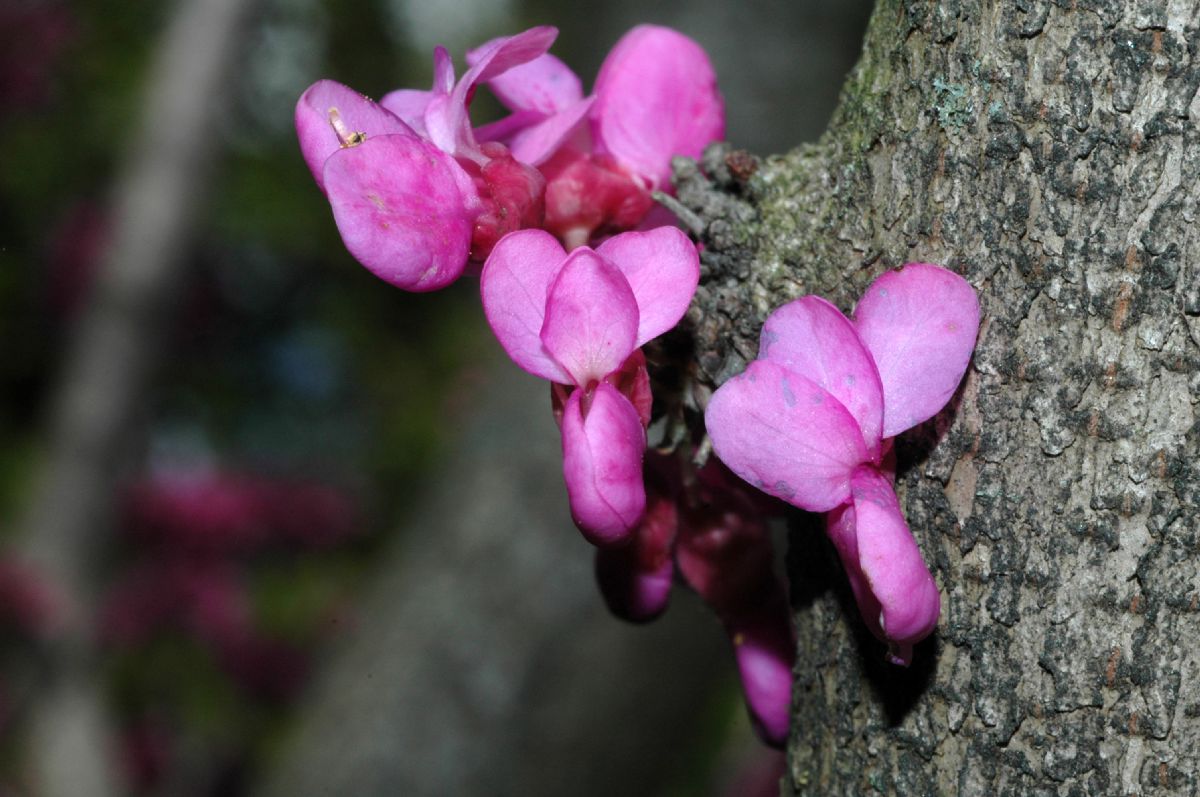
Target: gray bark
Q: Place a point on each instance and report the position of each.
(1048, 152)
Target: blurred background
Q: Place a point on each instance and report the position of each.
(268, 525)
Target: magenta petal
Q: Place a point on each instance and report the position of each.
(635, 578)
(545, 84)
(812, 338)
(514, 286)
(629, 592)
(919, 324)
(504, 129)
(443, 71)
(499, 55)
(399, 205)
(409, 105)
(536, 143)
(328, 113)
(889, 563)
(786, 436)
(446, 120)
(591, 318)
(663, 269)
(602, 464)
(656, 97)
(765, 651)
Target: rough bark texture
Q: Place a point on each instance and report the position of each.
(1048, 152)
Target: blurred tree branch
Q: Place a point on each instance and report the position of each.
(157, 200)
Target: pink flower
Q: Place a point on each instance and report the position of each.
(577, 320)
(655, 97)
(811, 422)
(414, 195)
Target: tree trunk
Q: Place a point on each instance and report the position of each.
(1047, 151)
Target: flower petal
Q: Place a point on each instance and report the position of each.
(504, 129)
(493, 58)
(409, 105)
(591, 318)
(663, 269)
(894, 590)
(399, 205)
(514, 286)
(545, 84)
(919, 324)
(765, 651)
(635, 579)
(446, 118)
(326, 106)
(656, 97)
(812, 338)
(535, 143)
(602, 464)
(786, 436)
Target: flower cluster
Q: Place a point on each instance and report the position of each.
(418, 193)
(811, 422)
(556, 200)
(578, 320)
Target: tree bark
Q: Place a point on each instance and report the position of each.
(1048, 152)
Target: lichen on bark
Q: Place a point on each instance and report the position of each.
(1048, 152)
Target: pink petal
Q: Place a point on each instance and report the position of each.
(490, 60)
(893, 587)
(400, 207)
(635, 579)
(514, 285)
(663, 269)
(545, 84)
(656, 97)
(603, 445)
(632, 381)
(409, 105)
(327, 106)
(535, 143)
(443, 71)
(812, 338)
(765, 651)
(919, 324)
(786, 436)
(591, 318)
(504, 129)
(446, 118)
(724, 552)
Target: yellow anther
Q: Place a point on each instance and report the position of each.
(345, 135)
